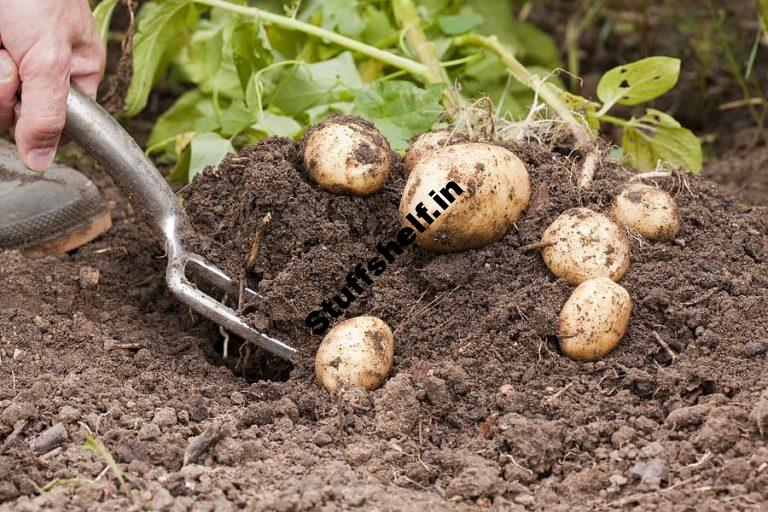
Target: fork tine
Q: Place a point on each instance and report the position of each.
(216, 277)
(223, 315)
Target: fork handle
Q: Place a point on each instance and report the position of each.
(101, 137)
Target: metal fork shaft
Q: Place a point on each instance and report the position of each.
(101, 137)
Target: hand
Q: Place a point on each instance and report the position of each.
(45, 44)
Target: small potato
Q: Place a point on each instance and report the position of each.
(464, 196)
(586, 244)
(347, 155)
(357, 352)
(594, 319)
(648, 210)
(426, 142)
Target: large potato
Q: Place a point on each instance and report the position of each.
(347, 155)
(585, 244)
(648, 210)
(464, 196)
(357, 352)
(424, 143)
(594, 319)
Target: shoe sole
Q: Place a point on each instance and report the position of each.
(73, 239)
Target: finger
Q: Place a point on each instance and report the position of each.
(88, 60)
(44, 75)
(86, 71)
(9, 87)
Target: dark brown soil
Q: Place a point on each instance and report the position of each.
(744, 172)
(480, 408)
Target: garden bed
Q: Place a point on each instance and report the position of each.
(480, 408)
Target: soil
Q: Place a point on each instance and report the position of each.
(480, 409)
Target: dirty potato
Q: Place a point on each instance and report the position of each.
(464, 196)
(585, 244)
(648, 210)
(347, 155)
(594, 319)
(357, 352)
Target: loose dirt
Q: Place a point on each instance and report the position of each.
(480, 410)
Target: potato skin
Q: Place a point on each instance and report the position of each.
(356, 352)
(586, 244)
(496, 190)
(648, 210)
(594, 319)
(346, 155)
(426, 142)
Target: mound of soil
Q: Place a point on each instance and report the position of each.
(480, 408)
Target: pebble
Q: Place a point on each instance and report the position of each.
(69, 414)
(89, 277)
(617, 479)
(652, 450)
(755, 348)
(149, 431)
(321, 438)
(525, 500)
(165, 417)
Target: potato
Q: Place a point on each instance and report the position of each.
(347, 155)
(357, 352)
(427, 142)
(648, 210)
(586, 244)
(464, 196)
(594, 319)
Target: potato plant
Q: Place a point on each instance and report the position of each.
(275, 69)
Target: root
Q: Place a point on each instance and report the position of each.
(587, 174)
(536, 245)
(225, 349)
(256, 243)
(664, 346)
(340, 411)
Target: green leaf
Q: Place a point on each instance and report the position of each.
(658, 136)
(95, 446)
(342, 16)
(236, 118)
(399, 109)
(455, 24)
(378, 25)
(192, 112)
(305, 86)
(207, 149)
(180, 172)
(638, 82)
(250, 52)
(102, 15)
(277, 125)
(159, 28)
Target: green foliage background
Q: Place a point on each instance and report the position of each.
(247, 79)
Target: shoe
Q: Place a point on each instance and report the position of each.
(51, 212)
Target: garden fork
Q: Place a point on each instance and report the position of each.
(101, 137)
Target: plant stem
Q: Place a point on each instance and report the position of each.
(411, 66)
(551, 95)
(409, 20)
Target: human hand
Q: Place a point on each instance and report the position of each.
(45, 44)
